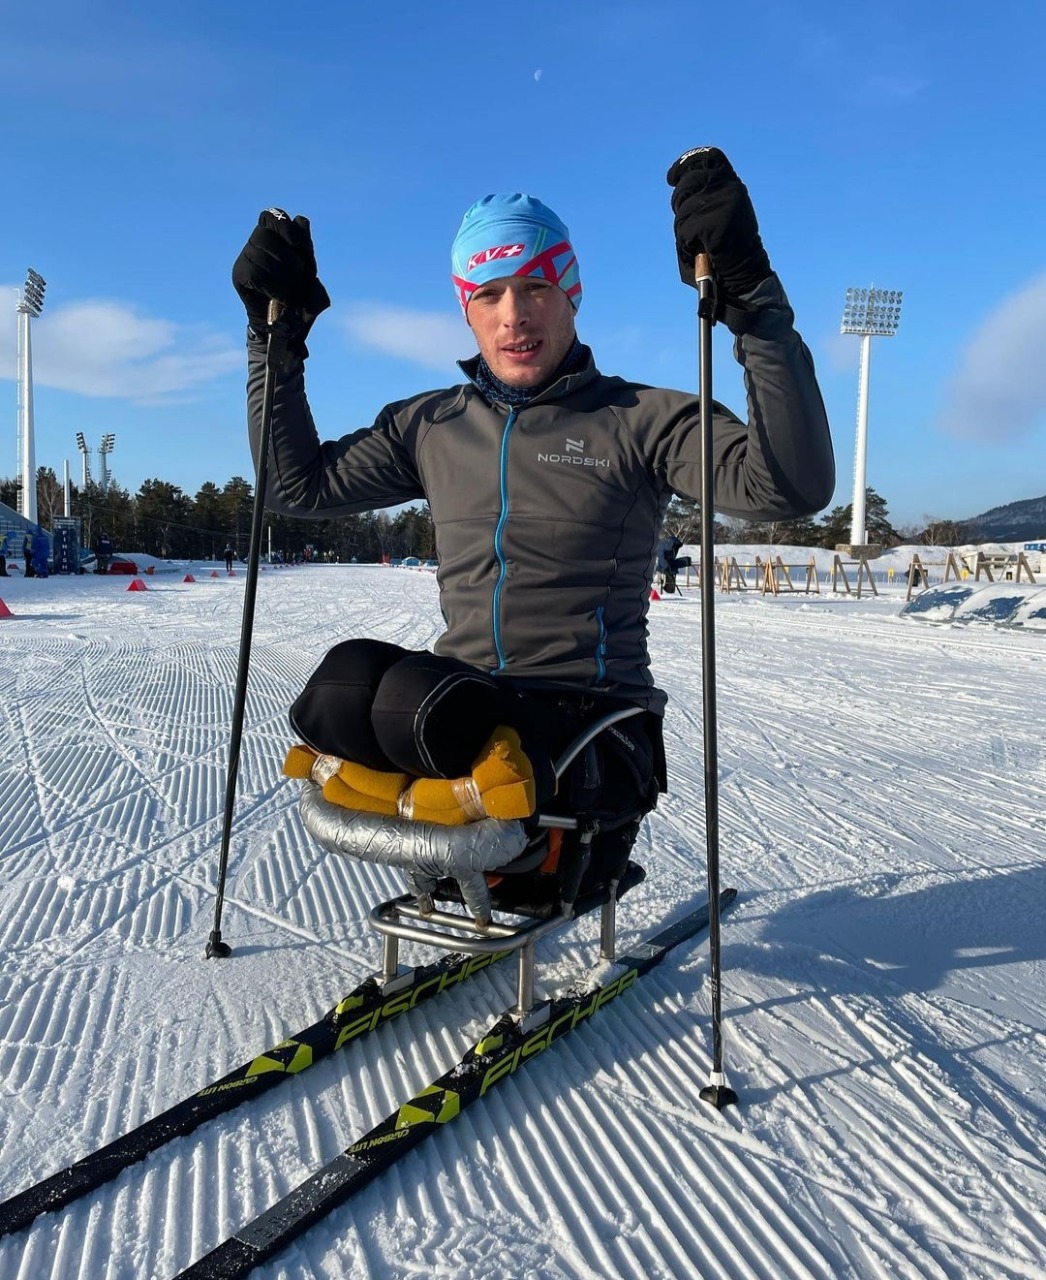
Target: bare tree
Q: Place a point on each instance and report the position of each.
(683, 519)
(940, 532)
(49, 496)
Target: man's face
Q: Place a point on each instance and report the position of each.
(524, 326)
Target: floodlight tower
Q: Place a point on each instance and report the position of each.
(104, 449)
(30, 304)
(870, 313)
(82, 445)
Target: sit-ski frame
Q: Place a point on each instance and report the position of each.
(417, 919)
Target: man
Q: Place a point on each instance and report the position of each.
(669, 561)
(547, 480)
(103, 553)
(39, 556)
(230, 556)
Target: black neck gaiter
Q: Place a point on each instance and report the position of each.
(497, 391)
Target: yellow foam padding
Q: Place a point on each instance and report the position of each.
(339, 792)
(299, 762)
(502, 786)
(370, 783)
(353, 786)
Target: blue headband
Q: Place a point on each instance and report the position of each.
(512, 235)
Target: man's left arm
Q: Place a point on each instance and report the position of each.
(779, 464)
(784, 465)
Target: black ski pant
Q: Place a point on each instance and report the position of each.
(400, 710)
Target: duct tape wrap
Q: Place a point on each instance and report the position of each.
(424, 851)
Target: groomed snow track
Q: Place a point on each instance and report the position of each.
(883, 796)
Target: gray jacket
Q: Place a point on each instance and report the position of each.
(547, 516)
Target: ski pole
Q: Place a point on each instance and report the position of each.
(716, 1091)
(275, 350)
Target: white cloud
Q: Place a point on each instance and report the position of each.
(839, 352)
(998, 391)
(106, 349)
(433, 340)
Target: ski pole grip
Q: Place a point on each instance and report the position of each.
(276, 347)
(702, 268)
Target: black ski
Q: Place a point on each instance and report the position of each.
(367, 1007)
(505, 1048)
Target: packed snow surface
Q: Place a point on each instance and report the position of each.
(883, 809)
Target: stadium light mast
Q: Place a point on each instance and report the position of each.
(104, 449)
(30, 304)
(869, 313)
(82, 445)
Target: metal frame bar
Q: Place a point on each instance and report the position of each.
(412, 920)
(433, 928)
(593, 731)
(452, 932)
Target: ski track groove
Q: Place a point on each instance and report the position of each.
(858, 1222)
(782, 1251)
(743, 712)
(595, 1221)
(908, 1166)
(36, 1030)
(669, 1070)
(529, 1189)
(991, 1103)
(663, 1228)
(297, 1141)
(1025, 1231)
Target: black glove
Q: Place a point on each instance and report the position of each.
(714, 215)
(278, 261)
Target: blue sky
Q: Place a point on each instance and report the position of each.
(898, 144)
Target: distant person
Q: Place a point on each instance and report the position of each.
(27, 554)
(669, 561)
(41, 553)
(103, 553)
(230, 556)
(3, 562)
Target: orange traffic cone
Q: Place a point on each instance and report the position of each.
(653, 594)
(214, 573)
(188, 578)
(5, 612)
(137, 585)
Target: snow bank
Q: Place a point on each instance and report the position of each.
(1008, 604)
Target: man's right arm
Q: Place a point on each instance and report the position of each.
(367, 469)
(371, 468)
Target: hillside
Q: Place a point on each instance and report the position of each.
(1014, 522)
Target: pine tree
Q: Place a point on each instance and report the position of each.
(836, 526)
(163, 515)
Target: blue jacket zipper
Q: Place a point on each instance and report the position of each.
(499, 586)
